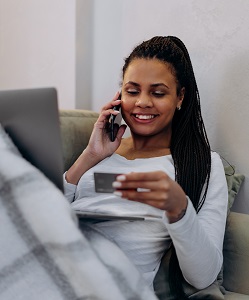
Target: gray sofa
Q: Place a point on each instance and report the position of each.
(76, 127)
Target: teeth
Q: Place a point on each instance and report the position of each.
(145, 117)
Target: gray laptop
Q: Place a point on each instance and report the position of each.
(31, 118)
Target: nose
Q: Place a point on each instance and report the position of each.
(144, 101)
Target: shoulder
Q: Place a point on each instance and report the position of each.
(217, 194)
(216, 162)
(217, 176)
(215, 155)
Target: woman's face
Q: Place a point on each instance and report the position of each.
(149, 97)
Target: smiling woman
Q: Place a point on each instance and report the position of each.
(168, 174)
(149, 101)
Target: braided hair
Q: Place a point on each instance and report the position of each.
(190, 148)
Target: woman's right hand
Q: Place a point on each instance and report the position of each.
(99, 146)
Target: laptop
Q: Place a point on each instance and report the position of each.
(94, 217)
(31, 118)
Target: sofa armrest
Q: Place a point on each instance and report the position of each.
(76, 127)
(236, 253)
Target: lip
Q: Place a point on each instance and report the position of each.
(144, 118)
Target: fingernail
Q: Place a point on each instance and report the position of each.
(116, 184)
(120, 177)
(116, 112)
(119, 194)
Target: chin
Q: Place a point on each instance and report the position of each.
(142, 133)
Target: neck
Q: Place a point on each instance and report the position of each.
(137, 147)
(147, 143)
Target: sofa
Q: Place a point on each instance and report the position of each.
(233, 280)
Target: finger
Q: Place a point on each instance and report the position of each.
(143, 176)
(111, 104)
(115, 101)
(158, 200)
(148, 185)
(108, 112)
(103, 117)
(162, 184)
(144, 196)
(121, 132)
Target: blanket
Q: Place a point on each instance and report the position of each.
(43, 254)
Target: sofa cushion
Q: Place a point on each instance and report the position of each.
(236, 296)
(76, 127)
(234, 181)
(236, 254)
(162, 289)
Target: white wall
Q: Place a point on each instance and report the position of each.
(107, 50)
(41, 46)
(216, 35)
(84, 53)
(37, 46)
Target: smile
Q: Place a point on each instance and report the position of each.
(145, 117)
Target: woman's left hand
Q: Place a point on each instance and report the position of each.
(154, 188)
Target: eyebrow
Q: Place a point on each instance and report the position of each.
(153, 84)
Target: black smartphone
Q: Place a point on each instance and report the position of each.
(114, 123)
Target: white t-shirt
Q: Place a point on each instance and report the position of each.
(198, 238)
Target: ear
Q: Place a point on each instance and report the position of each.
(181, 97)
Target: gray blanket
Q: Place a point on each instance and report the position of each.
(43, 254)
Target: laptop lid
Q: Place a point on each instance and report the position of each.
(31, 118)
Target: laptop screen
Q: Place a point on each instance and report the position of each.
(31, 118)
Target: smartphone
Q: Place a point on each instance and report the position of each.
(103, 182)
(114, 123)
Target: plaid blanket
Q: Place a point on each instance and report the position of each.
(43, 254)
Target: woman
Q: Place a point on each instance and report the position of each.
(168, 171)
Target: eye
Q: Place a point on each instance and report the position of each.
(158, 94)
(132, 92)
